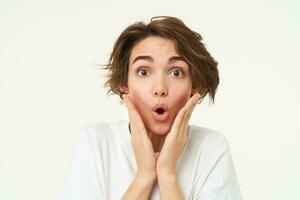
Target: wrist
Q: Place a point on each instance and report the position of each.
(166, 172)
(146, 178)
(166, 176)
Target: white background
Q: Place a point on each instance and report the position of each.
(50, 86)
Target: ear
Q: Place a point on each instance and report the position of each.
(192, 92)
(124, 89)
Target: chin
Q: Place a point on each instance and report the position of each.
(160, 128)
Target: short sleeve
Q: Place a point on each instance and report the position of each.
(81, 180)
(222, 182)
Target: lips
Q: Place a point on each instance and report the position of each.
(160, 112)
(160, 106)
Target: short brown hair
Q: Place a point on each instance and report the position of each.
(188, 44)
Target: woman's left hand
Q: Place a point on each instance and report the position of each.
(176, 139)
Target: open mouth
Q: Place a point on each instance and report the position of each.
(160, 111)
(160, 115)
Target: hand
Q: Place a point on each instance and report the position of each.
(142, 145)
(176, 139)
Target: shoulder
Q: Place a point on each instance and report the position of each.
(215, 171)
(100, 128)
(96, 127)
(210, 147)
(206, 138)
(101, 132)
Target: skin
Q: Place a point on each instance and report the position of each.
(159, 84)
(164, 168)
(164, 82)
(174, 143)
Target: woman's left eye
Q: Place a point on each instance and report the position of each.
(178, 72)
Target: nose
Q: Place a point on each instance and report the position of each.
(160, 93)
(160, 88)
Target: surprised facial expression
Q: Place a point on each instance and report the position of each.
(158, 82)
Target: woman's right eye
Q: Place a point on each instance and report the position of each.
(142, 72)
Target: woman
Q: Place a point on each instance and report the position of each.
(161, 71)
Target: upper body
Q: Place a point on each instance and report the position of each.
(160, 70)
(104, 165)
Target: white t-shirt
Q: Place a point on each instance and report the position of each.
(103, 165)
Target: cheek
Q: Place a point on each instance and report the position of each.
(139, 98)
(180, 101)
(181, 92)
(181, 96)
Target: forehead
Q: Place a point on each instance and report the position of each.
(155, 46)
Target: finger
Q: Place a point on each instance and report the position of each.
(178, 125)
(189, 106)
(135, 116)
(194, 99)
(183, 116)
(129, 108)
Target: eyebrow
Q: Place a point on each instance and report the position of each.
(149, 58)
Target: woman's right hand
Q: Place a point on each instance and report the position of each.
(142, 145)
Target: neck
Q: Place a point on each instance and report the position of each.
(157, 140)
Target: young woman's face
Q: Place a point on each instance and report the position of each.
(157, 75)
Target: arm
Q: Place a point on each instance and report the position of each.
(140, 188)
(169, 187)
(142, 184)
(173, 146)
(172, 149)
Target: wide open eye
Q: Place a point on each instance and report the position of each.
(178, 73)
(142, 72)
